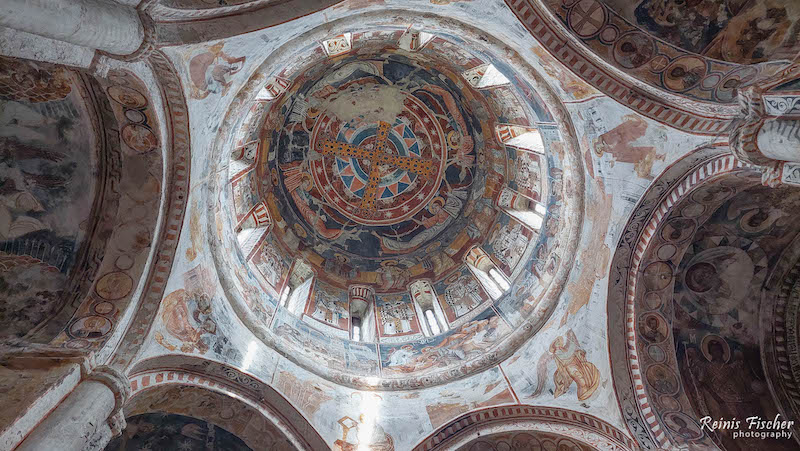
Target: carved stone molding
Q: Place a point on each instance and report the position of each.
(639, 408)
(778, 317)
(579, 426)
(115, 381)
(767, 134)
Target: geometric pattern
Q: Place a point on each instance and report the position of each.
(376, 173)
(580, 425)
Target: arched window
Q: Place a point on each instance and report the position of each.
(433, 324)
(484, 269)
(252, 229)
(428, 308)
(362, 313)
(295, 294)
(413, 40)
(485, 76)
(525, 138)
(525, 210)
(273, 89)
(356, 328)
(242, 158)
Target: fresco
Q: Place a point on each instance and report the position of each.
(322, 349)
(635, 38)
(571, 367)
(342, 415)
(715, 325)
(446, 403)
(446, 350)
(508, 243)
(330, 306)
(48, 182)
(170, 432)
(459, 294)
(314, 142)
(534, 441)
(355, 431)
(211, 70)
(527, 173)
(396, 316)
(271, 264)
(245, 194)
(392, 207)
(187, 317)
(202, 4)
(240, 422)
(739, 32)
(618, 143)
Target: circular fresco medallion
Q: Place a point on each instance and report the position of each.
(129, 97)
(115, 285)
(139, 138)
(93, 326)
(378, 162)
(376, 172)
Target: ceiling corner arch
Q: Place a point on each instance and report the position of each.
(177, 22)
(667, 340)
(583, 428)
(151, 379)
(693, 93)
(667, 190)
(173, 209)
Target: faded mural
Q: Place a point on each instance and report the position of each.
(533, 441)
(716, 322)
(358, 217)
(735, 31)
(170, 432)
(48, 177)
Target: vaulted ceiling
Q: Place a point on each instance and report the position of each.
(463, 224)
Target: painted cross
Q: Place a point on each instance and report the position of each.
(379, 154)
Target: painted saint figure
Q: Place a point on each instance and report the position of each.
(571, 366)
(362, 435)
(210, 71)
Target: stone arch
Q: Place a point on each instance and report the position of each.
(689, 91)
(263, 408)
(586, 430)
(77, 161)
(172, 210)
(778, 332)
(674, 185)
(191, 21)
(658, 342)
(571, 217)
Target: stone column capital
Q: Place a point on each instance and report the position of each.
(767, 134)
(115, 381)
(744, 129)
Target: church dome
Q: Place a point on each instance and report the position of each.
(395, 194)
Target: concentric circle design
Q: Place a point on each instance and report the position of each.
(409, 168)
(374, 168)
(377, 181)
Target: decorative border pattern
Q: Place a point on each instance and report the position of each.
(175, 26)
(672, 186)
(572, 214)
(554, 38)
(184, 370)
(779, 325)
(574, 421)
(786, 344)
(177, 184)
